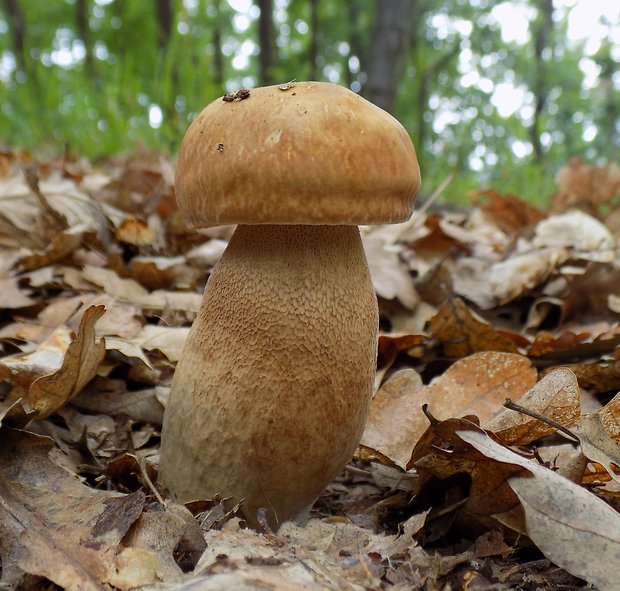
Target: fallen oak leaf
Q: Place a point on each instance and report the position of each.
(610, 415)
(462, 333)
(597, 445)
(590, 433)
(571, 526)
(51, 525)
(555, 396)
(476, 385)
(443, 453)
(58, 369)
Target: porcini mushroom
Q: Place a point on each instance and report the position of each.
(270, 397)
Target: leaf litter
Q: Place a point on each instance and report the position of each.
(450, 488)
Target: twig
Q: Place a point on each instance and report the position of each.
(149, 482)
(543, 419)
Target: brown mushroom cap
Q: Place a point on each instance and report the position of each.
(313, 153)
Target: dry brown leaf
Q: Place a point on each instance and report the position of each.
(556, 397)
(442, 452)
(580, 183)
(58, 369)
(163, 272)
(462, 333)
(55, 527)
(477, 385)
(573, 528)
(511, 214)
(610, 415)
(61, 245)
(389, 428)
(597, 377)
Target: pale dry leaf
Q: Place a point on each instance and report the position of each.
(20, 207)
(571, 526)
(597, 445)
(167, 339)
(11, 295)
(140, 405)
(170, 300)
(578, 231)
(129, 290)
(482, 235)
(613, 301)
(610, 415)
(162, 531)
(127, 349)
(109, 281)
(389, 274)
(389, 428)
(556, 397)
(489, 284)
(208, 253)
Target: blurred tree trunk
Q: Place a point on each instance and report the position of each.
(391, 37)
(83, 31)
(609, 127)
(355, 39)
(218, 56)
(425, 81)
(314, 39)
(17, 25)
(541, 33)
(266, 37)
(165, 19)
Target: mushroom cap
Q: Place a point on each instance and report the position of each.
(302, 153)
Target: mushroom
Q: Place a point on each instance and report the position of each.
(271, 394)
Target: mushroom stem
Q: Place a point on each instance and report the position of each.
(270, 397)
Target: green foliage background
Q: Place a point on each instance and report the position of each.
(100, 105)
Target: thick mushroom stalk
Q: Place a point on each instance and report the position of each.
(270, 397)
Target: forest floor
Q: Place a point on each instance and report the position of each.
(100, 280)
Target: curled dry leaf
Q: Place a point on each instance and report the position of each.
(58, 369)
(556, 397)
(573, 528)
(462, 333)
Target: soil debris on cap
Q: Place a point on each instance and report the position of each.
(239, 95)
